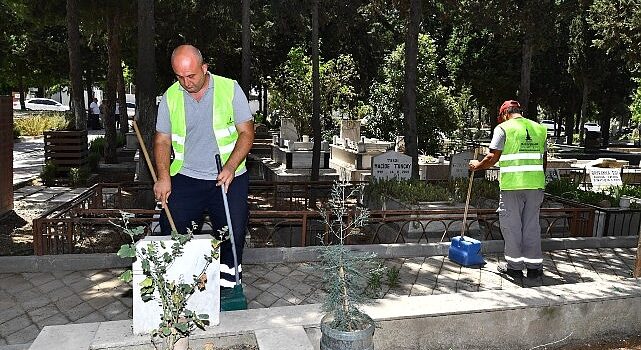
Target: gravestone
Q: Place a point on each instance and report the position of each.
(460, 164)
(146, 315)
(288, 131)
(602, 178)
(350, 129)
(392, 165)
(399, 145)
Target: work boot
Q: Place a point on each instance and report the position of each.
(502, 268)
(534, 273)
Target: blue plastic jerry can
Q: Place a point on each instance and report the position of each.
(465, 251)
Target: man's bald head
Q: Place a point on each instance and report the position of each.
(191, 72)
(187, 52)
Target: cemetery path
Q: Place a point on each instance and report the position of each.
(30, 301)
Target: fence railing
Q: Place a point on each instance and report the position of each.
(88, 223)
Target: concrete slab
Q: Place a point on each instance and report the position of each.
(290, 338)
(74, 336)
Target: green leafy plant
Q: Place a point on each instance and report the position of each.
(393, 276)
(346, 273)
(176, 320)
(78, 176)
(97, 145)
(35, 125)
(49, 173)
(16, 132)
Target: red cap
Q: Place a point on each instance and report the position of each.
(507, 104)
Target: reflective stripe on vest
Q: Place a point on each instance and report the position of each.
(224, 127)
(521, 160)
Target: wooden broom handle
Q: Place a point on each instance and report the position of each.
(153, 173)
(469, 192)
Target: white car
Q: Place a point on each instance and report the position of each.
(591, 126)
(42, 104)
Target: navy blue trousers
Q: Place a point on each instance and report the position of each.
(190, 198)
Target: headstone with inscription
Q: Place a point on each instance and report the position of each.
(146, 315)
(602, 178)
(460, 164)
(392, 165)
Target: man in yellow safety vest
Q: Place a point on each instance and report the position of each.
(519, 145)
(202, 115)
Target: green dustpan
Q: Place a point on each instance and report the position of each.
(231, 298)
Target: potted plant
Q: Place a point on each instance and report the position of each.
(177, 322)
(346, 274)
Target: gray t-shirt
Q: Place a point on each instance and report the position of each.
(200, 142)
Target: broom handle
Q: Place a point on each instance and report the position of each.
(469, 192)
(153, 173)
(219, 166)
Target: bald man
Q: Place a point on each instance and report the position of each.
(202, 115)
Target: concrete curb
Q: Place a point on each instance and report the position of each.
(520, 319)
(78, 262)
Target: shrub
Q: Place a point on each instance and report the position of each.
(98, 146)
(16, 132)
(35, 125)
(48, 174)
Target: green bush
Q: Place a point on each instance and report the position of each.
(411, 191)
(16, 132)
(93, 159)
(48, 174)
(36, 125)
(98, 146)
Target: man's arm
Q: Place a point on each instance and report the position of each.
(162, 152)
(487, 162)
(242, 148)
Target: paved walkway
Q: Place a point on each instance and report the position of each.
(30, 301)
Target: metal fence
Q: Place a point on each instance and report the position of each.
(89, 223)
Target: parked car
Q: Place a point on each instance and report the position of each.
(591, 126)
(41, 104)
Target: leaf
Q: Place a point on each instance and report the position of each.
(127, 251)
(182, 327)
(203, 316)
(201, 282)
(146, 266)
(126, 276)
(165, 331)
(147, 282)
(146, 297)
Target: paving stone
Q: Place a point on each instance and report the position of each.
(273, 277)
(81, 285)
(60, 293)
(51, 286)
(293, 298)
(79, 311)
(27, 295)
(54, 320)
(262, 284)
(69, 302)
(23, 336)
(281, 302)
(2, 341)
(92, 317)
(100, 301)
(254, 305)
(10, 313)
(39, 278)
(36, 303)
(114, 309)
(73, 278)
(43, 313)
(251, 292)
(283, 270)
(121, 316)
(14, 325)
(266, 298)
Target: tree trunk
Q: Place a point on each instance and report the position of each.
(265, 106)
(122, 102)
(316, 127)
(526, 68)
(113, 52)
(411, 67)
(605, 123)
(246, 53)
(146, 90)
(89, 87)
(75, 70)
(584, 107)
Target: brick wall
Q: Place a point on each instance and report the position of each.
(6, 154)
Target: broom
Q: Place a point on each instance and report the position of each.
(466, 251)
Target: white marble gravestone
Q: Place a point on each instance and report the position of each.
(147, 314)
(392, 165)
(460, 164)
(288, 131)
(602, 178)
(350, 129)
